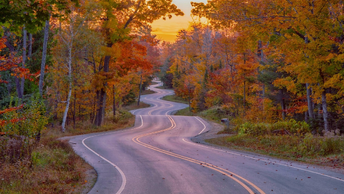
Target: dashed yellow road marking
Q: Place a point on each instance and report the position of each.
(225, 172)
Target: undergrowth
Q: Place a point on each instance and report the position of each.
(326, 150)
(174, 98)
(145, 92)
(281, 127)
(214, 114)
(52, 166)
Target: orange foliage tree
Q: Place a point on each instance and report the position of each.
(10, 63)
(298, 45)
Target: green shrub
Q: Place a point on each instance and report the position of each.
(331, 145)
(291, 127)
(31, 121)
(214, 114)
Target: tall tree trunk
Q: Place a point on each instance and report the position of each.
(30, 45)
(244, 103)
(44, 56)
(309, 102)
(74, 109)
(244, 99)
(319, 109)
(102, 94)
(140, 90)
(66, 109)
(99, 113)
(325, 112)
(16, 80)
(319, 106)
(189, 100)
(282, 105)
(260, 55)
(263, 97)
(104, 108)
(70, 47)
(114, 100)
(18, 88)
(23, 60)
(94, 111)
(9, 86)
(81, 117)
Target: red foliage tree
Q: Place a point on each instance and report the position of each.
(10, 63)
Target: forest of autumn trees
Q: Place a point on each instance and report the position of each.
(263, 61)
(75, 60)
(259, 61)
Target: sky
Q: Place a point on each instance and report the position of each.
(166, 30)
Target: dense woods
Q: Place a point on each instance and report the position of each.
(262, 61)
(65, 62)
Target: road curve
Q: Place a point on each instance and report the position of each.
(156, 156)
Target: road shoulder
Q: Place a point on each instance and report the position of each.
(212, 133)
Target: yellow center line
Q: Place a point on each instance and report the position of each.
(210, 166)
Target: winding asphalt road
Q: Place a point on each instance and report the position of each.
(158, 157)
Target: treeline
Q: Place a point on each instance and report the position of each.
(71, 61)
(263, 61)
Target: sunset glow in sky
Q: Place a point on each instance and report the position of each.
(167, 29)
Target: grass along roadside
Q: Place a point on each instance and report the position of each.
(53, 167)
(145, 92)
(214, 114)
(164, 87)
(123, 119)
(174, 98)
(154, 83)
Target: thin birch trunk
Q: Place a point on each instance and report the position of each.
(70, 83)
(70, 79)
(44, 56)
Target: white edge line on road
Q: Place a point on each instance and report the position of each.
(124, 180)
(259, 159)
(202, 124)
